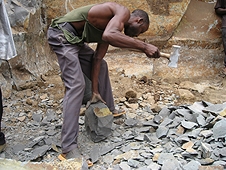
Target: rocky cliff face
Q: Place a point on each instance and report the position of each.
(172, 22)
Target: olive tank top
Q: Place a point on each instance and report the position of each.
(89, 34)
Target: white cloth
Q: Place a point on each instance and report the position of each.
(7, 46)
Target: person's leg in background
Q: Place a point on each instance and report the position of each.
(224, 44)
(2, 136)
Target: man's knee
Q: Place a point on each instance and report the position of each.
(75, 85)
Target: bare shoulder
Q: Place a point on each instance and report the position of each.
(100, 15)
(109, 8)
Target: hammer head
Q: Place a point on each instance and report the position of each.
(174, 56)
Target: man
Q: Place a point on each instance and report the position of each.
(7, 51)
(100, 23)
(220, 10)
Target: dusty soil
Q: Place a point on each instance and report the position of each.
(214, 90)
(37, 97)
(214, 93)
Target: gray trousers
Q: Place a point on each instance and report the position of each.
(75, 60)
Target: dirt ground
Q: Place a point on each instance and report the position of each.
(132, 72)
(213, 90)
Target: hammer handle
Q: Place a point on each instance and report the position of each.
(165, 55)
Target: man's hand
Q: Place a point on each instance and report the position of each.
(95, 98)
(151, 51)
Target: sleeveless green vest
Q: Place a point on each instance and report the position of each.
(90, 33)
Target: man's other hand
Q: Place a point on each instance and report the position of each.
(95, 98)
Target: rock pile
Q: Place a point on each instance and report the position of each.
(184, 137)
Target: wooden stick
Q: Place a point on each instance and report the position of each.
(165, 55)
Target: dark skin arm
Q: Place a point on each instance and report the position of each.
(220, 11)
(111, 18)
(97, 58)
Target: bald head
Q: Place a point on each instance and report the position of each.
(137, 24)
(142, 14)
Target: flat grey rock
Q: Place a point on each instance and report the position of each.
(166, 122)
(150, 123)
(222, 163)
(151, 138)
(131, 122)
(146, 155)
(133, 163)
(140, 137)
(51, 132)
(162, 132)
(219, 129)
(165, 112)
(154, 166)
(171, 164)
(172, 115)
(158, 119)
(143, 168)
(192, 165)
(222, 152)
(201, 120)
(108, 159)
(186, 113)
(128, 135)
(189, 155)
(195, 132)
(176, 121)
(37, 117)
(143, 129)
(38, 152)
(124, 166)
(188, 125)
(182, 139)
(106, 148)
(197, 107)
(95, 154)
(207, 161)
(51, 115)
(165, 156)
(206, 133)
(157, 150)
(215, 109)
(206, 150)
(35, 141)
(18, 147)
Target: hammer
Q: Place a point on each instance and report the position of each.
(173, 56)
